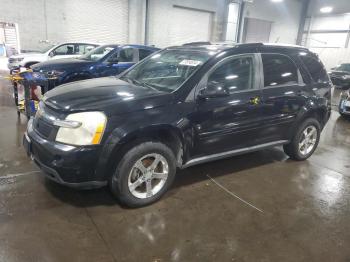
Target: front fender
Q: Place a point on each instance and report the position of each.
(120, 137)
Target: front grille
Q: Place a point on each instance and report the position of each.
(42, 123)
(43, 128)
(11, 60)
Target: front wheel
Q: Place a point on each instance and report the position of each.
(144, 174)
(305, 140)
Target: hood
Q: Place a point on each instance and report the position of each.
(61, 64)
(23, 55)
(339, 73)
(108, 94)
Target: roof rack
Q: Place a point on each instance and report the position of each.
(197, 43)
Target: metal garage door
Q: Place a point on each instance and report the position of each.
(256, 30)
(94, 20)
(178, 25)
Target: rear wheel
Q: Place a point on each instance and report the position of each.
(305, 140)
(144, 174)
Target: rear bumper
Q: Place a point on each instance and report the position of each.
(67, 165)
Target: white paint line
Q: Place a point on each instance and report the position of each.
(234, 195)
(18, 174)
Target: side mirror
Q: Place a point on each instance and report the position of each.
(51, 54)
(212, 90)
(113, 62)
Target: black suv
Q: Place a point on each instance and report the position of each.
(180, 107)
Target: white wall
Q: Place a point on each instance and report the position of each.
(95, 20)
(332, 57)
(285, 17)
(68, 20)
(31, 23)
(161, 14)
(332, 45)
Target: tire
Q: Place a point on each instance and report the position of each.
(293, 149)
(127, 174)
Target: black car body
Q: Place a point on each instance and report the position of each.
(105, 60)
(267, 94)
(340, 76)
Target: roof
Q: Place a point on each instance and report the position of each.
(141, 46)
(218, 47)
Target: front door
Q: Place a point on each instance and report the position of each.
(228, 112)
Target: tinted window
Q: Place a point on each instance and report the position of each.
(315, 68)
(234, 75)
(114, 58)
(278, 70)
(126, 55)
(144, 53)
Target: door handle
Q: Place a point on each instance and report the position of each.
(254, 100)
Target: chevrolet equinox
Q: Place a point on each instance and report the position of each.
(180, 107)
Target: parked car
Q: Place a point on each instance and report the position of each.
(180, 107)
(340, 76)
(66, 50)
(5, 52)
(105, 60)
(344, 103)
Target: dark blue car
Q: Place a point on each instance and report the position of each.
(105, 60)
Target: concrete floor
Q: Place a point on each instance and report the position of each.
(304, 208)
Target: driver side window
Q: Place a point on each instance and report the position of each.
(234, 75)
(126, 55)
(64, 50)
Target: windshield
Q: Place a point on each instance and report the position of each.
(167, 70)
(344, 67)
(97, 53)
(45, 48)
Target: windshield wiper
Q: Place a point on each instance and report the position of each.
(138, 83)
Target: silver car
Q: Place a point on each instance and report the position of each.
(344, 104)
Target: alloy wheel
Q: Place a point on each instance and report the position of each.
(148, 175)
(308, 140)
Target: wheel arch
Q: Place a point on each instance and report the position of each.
(318, 113)
(119, 142)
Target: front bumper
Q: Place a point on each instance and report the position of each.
(71, 166)
(13, 65)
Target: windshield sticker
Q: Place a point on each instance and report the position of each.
(187, 62)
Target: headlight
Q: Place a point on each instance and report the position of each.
(15, 60)
(54, 73)
(81, 128)
(346, 77)
(345, 94)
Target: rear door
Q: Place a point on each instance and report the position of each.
(282, 95)
(232, 121)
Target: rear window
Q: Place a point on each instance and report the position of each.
(315, 68)
(279, 70)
